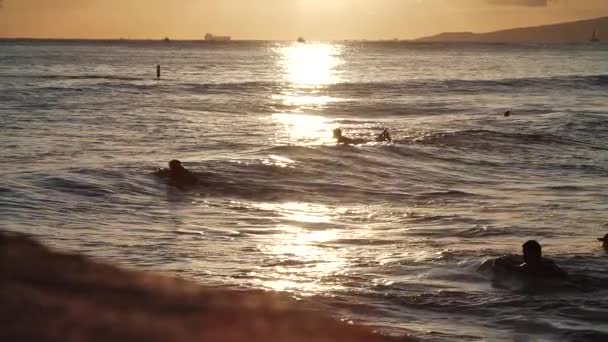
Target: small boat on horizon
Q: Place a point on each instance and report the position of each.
(301, 40)
(166, 40)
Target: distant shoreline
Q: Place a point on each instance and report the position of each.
(581, 31)
(244, 41)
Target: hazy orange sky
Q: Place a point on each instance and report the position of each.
(280, 19)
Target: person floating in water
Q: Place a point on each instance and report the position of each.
(604, 241)
(384, 136)
(534, 265)
(177, 174)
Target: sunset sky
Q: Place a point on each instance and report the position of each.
(280, 19)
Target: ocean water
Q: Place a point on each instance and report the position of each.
(383, 234)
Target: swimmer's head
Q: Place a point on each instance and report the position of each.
(337, 133)
(532, 252)
(175, 164)
(604, 241)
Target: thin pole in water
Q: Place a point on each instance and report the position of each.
(158, 72)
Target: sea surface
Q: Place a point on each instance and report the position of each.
(387, 235)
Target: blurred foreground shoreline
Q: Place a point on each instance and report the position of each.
(52, 296)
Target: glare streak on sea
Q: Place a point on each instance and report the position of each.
(384, 234)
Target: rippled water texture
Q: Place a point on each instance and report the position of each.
(385, 234)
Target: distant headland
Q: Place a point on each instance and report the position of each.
(591, 30)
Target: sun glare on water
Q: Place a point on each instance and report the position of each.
(307, 70)
(302, 129)
(301, 260)
(310, 65)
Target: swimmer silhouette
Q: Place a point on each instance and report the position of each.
(534, 265)
(507, 114)
(177, 174)
(384, 136)
(604, 241)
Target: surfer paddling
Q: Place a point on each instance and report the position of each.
(534, 264)
(177, 174)
(341, 139)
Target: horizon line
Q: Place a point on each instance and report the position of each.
(163, 40)
(287, 40)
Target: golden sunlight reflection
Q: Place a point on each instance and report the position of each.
(307, 69)
(306, 101)
(279, 161)
(300, 212)
(310, 64)
(302, 263)
(302, 129)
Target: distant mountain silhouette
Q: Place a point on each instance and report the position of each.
(570, 32)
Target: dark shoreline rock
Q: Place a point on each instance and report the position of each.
(51, 296)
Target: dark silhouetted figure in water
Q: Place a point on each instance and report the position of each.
(507, 114)
(177, 174)
(346, 140)
(384, 136)
(604, 241)
(534, 265)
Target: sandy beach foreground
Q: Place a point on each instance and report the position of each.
(51, 296)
